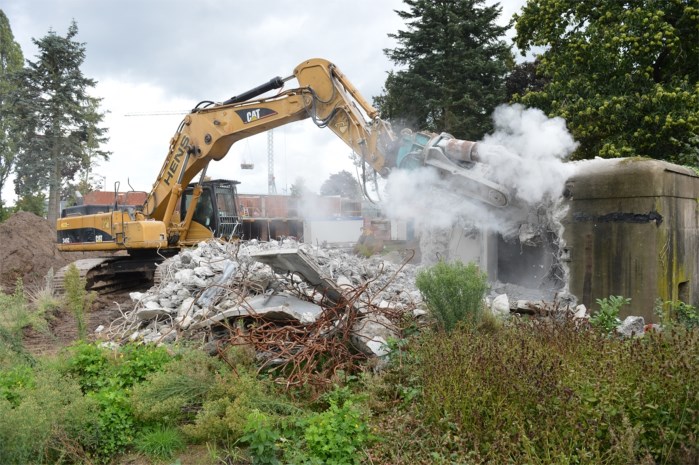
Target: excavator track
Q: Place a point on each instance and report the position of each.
(109, 274)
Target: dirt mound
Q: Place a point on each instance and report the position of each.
(27, 250)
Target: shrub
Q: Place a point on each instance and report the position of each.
(78, 299)
(261, 437)
(170, 395)
(684, 314)
(50, 419)
(453, 292)
(232, 397)
(338, 435)
(107, 377)
(606, 318)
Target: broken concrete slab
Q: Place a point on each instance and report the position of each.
(297, 262)
(275, 307)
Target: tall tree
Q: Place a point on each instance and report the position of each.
(60, 118)
(622, 73)
(455, 63)
(11, 61)
(342, 184)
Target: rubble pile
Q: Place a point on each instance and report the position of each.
(285, 287)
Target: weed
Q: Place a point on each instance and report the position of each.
(43, 297)
(543, 394)
(337, 435)
(261, 437)
(160, 442)
(684, 314)
(606, 318)
(78, 299)
(453, 292)
(15, 314)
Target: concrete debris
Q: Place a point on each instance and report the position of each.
(500, 306)
(372, 334)
(632, 326)
(284, 282)
(580, 312)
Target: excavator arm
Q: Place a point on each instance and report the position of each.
(330, 100)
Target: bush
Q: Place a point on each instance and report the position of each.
(176, 392)
(338, 435)
(606, 318)
(453, 292)
(107, 377)
(49, 419)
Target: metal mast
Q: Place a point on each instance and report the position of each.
(271, 187)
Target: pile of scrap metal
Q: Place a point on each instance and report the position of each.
(289, 301)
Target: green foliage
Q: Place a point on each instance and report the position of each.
(31, 202)
(606, 318)
(107, 377)
(174, 393)
(338, 435)
(261, 438)
(16, 314)
(11, 61)
(13, 381)
(49, 422)
(161, 442)
(542, 394)
(453, 61)
(78, 299)
(624, 77)
(230, 400)
(453, 292)
(684, 314)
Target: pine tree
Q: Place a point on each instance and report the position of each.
(61, 120)
(455, 63)
(11, 61)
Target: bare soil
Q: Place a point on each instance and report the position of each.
(27, 252)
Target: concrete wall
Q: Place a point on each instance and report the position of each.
(633, 230)
(340, 231)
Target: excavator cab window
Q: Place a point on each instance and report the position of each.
(216, 208)
(204, 211)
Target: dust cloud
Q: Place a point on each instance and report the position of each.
(525, 156)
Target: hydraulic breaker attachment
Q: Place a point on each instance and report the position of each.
(449, 156)
(467, 183)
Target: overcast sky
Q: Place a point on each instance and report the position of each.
(155, 59)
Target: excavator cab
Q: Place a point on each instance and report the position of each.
(216, 209)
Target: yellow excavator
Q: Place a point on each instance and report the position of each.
(173, 216)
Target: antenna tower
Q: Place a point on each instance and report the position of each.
(271, 187)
